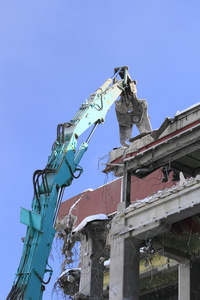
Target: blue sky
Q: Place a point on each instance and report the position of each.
(53, 55)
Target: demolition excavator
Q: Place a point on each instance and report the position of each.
(61, 169)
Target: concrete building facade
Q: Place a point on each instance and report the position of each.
(140, 234)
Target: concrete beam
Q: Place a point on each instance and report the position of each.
(157, 155)
(156, 213)
(150, 152)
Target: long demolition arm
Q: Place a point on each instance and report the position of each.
(49, 185)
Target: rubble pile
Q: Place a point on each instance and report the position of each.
(69, 281)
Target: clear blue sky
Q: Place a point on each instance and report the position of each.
(53, 54)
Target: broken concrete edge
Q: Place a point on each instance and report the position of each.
(181, 185)
(123, 209)
(151, 200)
(83, 200)
(64, 225)
(69, 235)
(181, 122)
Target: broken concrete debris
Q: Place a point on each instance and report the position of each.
(93, 228)
(69, 281)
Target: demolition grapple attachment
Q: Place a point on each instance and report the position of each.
(130, 110)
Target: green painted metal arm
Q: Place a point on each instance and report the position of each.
(49, 185)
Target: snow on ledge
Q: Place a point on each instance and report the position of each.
(88, 220)
(187, 109)
(68, 270)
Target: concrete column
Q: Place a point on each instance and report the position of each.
(189, 280)
(92, 266)
(195, 280)
(124, 269)
(85, 253)
(126, 188)
(184, 281)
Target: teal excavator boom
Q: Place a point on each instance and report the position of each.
(62, 165)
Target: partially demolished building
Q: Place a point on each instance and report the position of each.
(140, 234)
